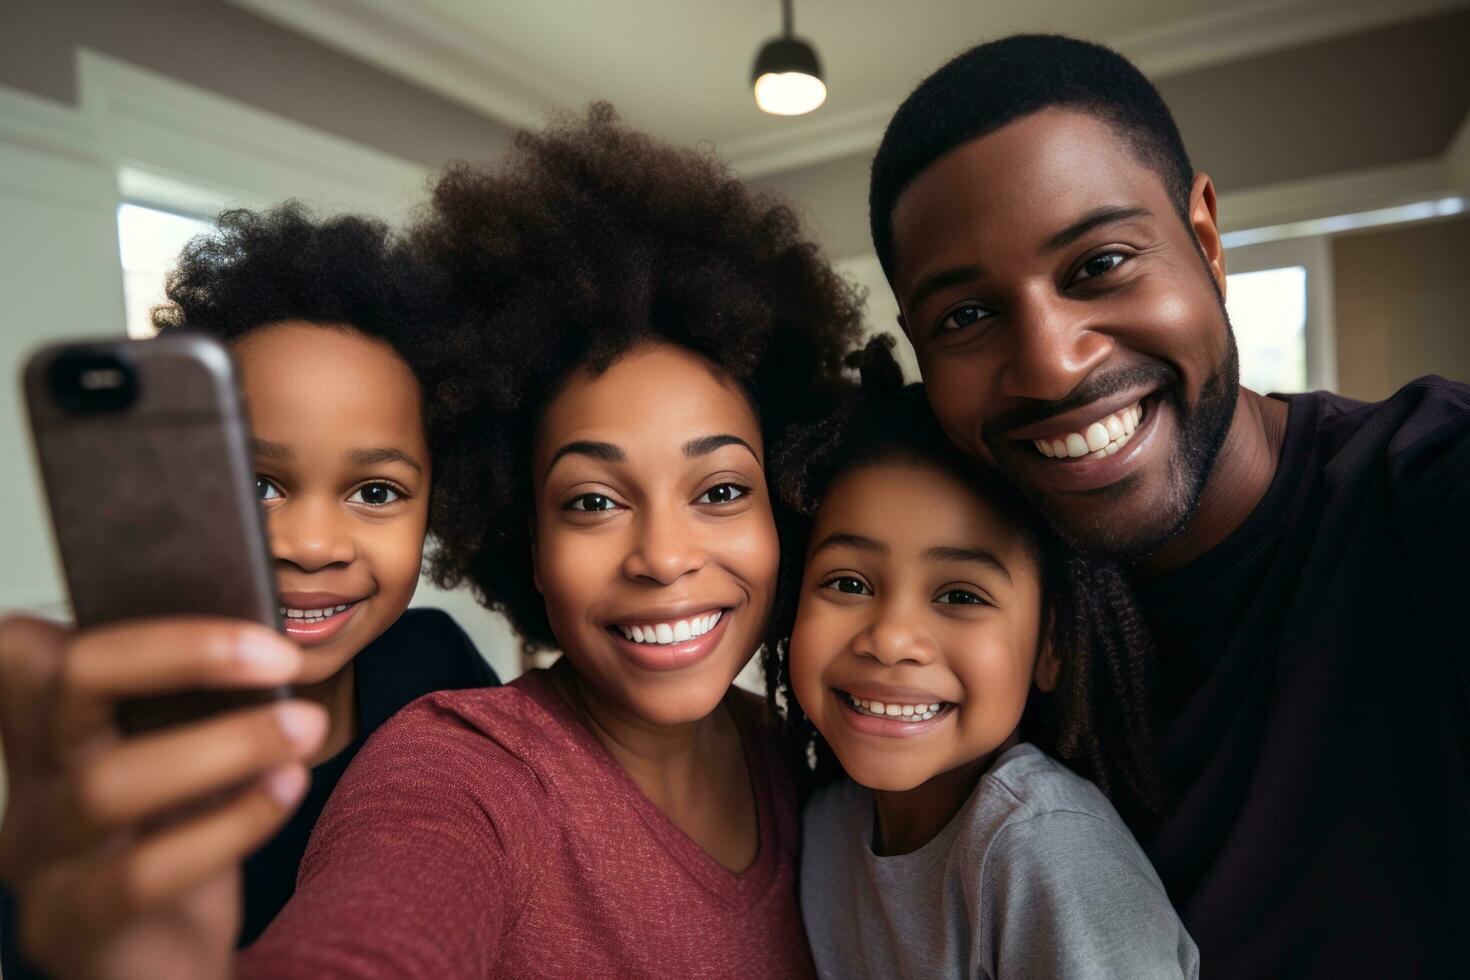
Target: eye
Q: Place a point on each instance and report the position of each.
(962, 316)
(847, 585)
(265, 490)
(723, 494)
(960, 597)
(591, 502)
(376, 495)
(1099, 264)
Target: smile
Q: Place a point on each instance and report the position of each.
(309, 616)
(1097, 439)
(889, 709)
(673, 631)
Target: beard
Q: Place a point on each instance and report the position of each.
(1202, 430)
(1202, 427)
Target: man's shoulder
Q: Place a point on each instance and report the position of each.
(1429, 410)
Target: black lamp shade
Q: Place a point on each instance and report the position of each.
(786, 54)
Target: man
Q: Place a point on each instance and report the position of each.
(1301, 560)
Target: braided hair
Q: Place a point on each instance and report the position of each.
(1099, 718)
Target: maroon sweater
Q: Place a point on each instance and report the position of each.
(486, 833)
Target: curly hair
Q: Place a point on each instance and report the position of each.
(1099, 719)
(585, 241)
(261, 267)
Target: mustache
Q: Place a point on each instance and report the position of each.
(1090, 389)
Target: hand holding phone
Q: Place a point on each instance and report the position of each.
(144, 453)
(125, 851)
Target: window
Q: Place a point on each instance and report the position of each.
(1268, 310)
(150, 241)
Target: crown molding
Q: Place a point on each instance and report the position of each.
(422, 45)
(415, 42)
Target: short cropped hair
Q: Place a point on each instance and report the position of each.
(1001, 81)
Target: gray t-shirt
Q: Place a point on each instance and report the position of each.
(1035, 877)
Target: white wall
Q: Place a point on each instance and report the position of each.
(63, 172)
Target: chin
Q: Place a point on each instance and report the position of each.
(680, 704)
(886, 778)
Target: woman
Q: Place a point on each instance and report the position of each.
(626, 328)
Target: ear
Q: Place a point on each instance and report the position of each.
(1203, 221)
(1048, 665)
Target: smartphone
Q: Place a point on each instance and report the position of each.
(144, 453)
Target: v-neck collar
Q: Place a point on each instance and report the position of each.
(738, 890)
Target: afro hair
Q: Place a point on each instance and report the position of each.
(585, 241)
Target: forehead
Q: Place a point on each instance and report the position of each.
(303, 379)
(650, 400)
(912, 506)
(1019, 185)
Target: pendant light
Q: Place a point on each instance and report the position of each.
(787, 75)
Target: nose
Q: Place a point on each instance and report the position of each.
(310, 534)
(1054, 346)
(665, 548)
(895, 636)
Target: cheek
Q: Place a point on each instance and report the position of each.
(996, 671)
(1178, 319)
(955, 385)
(395, 550)
(816, 640)
(573, 568)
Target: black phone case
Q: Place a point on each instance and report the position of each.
(153, 504)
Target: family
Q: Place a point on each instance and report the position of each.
(1082, 660)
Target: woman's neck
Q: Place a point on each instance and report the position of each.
(695, 773)
(909, 819)
(648, 752)
(338, 694)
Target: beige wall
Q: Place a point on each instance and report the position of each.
(1402, 297)
(1381, 97)
(225, 50)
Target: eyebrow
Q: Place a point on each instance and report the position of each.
(968, 554)
(943, 280)
(1093, 219)
(705, 445)
(369, 457)
(843, 539)
(960, 275)
(604, 451)
(270, 450)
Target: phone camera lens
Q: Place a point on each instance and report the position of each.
(84, 382)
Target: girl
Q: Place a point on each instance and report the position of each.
(626, 328)
(316, 315)
(927, 611)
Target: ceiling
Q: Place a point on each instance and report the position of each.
(680, 69)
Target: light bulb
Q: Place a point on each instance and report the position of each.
(789, 93)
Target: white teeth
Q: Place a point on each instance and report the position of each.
(313, 615)
(882, 709)
(674, 631)
(1101, 438)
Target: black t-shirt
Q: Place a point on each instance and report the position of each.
(422, 652)
(1316, 717)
